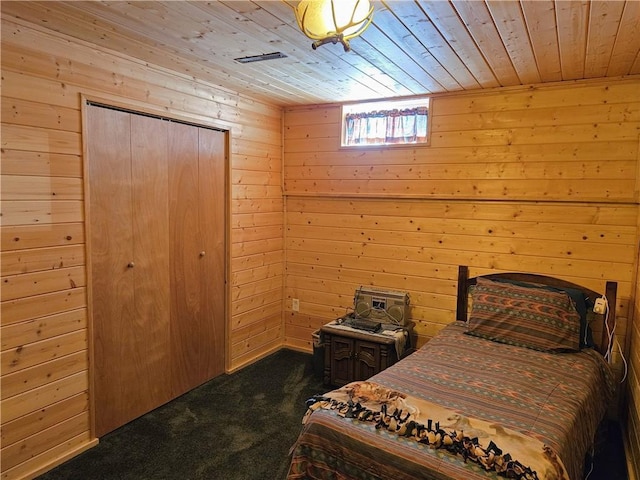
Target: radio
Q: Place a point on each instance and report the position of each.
(386, 306)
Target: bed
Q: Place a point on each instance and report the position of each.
(515, 388)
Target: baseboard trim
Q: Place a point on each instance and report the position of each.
(60, 459)
(251, 360)
(296, 348)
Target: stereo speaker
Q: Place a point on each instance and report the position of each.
(386, 306)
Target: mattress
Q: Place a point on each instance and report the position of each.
(497, 394)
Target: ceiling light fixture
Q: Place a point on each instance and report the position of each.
(333, 21)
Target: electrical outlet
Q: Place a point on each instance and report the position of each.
(600, 306)
(295, 305)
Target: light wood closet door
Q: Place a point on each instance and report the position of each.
(127, 173)
(197, 182)
(212, 166)
(150, 223)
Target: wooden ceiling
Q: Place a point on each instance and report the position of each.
(411, 48)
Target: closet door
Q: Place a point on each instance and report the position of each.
(151, 328)
(110, 209)
(186, 304)
(127, 178)
(212, 166)
(197, 180)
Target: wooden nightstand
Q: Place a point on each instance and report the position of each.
(351, 354)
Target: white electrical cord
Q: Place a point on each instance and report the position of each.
(611, 341)
(610, 332)
(624, 360)
(593, 452)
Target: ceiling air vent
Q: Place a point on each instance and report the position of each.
(260, 58)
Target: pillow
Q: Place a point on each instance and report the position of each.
(535, 318)
(581, 302)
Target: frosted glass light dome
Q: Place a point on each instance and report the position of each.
(333, 21)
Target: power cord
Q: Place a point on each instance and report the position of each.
(612, 341)
(610, 332)
(593, 452)
(624, 361)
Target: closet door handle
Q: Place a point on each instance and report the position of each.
(202, 253)
(131, 265)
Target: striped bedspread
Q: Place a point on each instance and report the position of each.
(493, 392)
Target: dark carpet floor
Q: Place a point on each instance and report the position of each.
(239, 426)
(235, 427)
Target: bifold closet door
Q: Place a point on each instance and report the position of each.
(212, 165)
(127, 170)
(197, 193)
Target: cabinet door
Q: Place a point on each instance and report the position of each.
(341, 360)
(367, 360)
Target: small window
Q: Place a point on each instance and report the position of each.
(385, 123)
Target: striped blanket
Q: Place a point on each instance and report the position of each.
(460, 407)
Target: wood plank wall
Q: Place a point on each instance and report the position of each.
(537, 179)
(45, 373)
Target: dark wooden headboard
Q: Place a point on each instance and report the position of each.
(611, 288)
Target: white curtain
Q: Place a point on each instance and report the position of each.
(387, 126)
